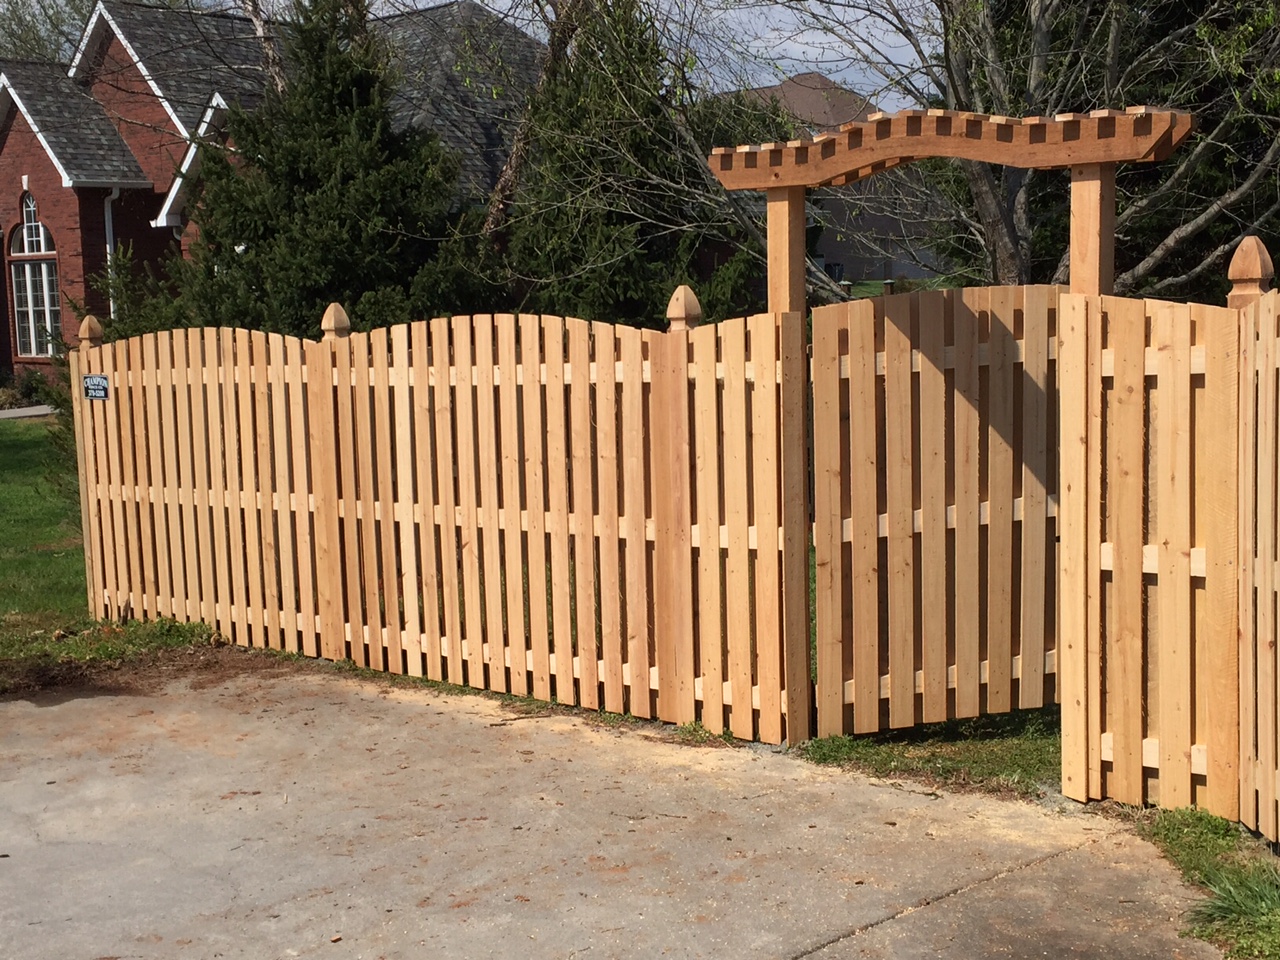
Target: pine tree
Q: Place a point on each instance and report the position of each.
(316, 197)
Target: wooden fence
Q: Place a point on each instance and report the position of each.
(935, 498)
(1259, 506)
(572, 511)
(619, 518)
(1148, 396)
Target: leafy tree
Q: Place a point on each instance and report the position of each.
(41, 29)
(315, 197)
(1177, 221)
(615, 205)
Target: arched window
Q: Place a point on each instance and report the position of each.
(36, 304)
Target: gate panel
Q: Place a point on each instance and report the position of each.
(935, 506)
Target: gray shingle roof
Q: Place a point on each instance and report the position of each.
(190, 55)
(463, 73)
(74, 125)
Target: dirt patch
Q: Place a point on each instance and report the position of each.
(203, 666)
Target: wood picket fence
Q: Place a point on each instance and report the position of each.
(574, 511)
(935, 493)
(1020, 495)
(1148, 394)
(1259, 549)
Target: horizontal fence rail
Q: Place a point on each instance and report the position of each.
(935, 500)
(574, 511)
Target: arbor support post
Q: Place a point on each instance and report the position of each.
(1093, 228)
(786, 249)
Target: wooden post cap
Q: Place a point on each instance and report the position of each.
(683, 310)
(335, 323)
(1251, 273)
(90, 332)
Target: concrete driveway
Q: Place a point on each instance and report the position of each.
(277, 811)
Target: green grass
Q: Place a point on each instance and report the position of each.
(1242, 912)
(41, 559)
(1016, 754)
(45, 628)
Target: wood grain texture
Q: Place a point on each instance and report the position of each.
(582, 527)
(1124, 642)
(634, 463)
(536, 503)
(517, 626)
(557, 476)
(933, 307)
(766, 464)
(969, 307)
(487, 429)
(828, 481)
(1036, 483)
(612, 636)
(864, 483)
(1000, 458)
(1074, 543)
(899, 470)
(737, 520)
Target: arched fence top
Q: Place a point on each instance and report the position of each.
(882, 141)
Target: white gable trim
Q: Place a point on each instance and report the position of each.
(91, 37)
(171, 211)
(6, 89)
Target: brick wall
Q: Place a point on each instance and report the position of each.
(60, 210)
(143, 122)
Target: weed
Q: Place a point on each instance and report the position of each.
(1242, 911)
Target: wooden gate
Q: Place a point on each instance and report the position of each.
(935, 470)
(1148, 621)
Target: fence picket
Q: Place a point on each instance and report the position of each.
(536, 503)
(900, 503)
(389, 570)
(582, 523)
(763, 329)
(738, 619)
(611, 573)
(934, 307)
(261, 483)
(302, 471)
(999, 448)
(1124, 501)
(864, 496)
(830, 603)
(491, 530)
(970, 306)
(427, 497)
(1035, 466)
(364, 617)
(637, 548)
(517, 626)
(405, 509)
(557, 479)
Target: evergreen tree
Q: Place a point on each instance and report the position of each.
(616, 206)
(316, 197)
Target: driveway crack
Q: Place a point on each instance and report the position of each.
(938, 898)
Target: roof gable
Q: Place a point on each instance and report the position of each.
(71, 126)
(184, 55)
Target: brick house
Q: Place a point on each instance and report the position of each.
(98, 153)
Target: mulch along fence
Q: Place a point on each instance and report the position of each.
(1020, 495)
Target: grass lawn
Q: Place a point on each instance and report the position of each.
(41, 560)
(1242, 913)
(1016, 754)
(45, 628)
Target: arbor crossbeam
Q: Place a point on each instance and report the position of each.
(1089, 144)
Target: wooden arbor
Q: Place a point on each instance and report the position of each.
(1089, 144)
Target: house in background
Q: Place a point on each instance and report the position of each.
(99, 153)
(855, 243)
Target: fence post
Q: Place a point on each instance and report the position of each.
(90, 336)
(1251, 273)
(322, 437)
(673, 509)
(793, 444)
